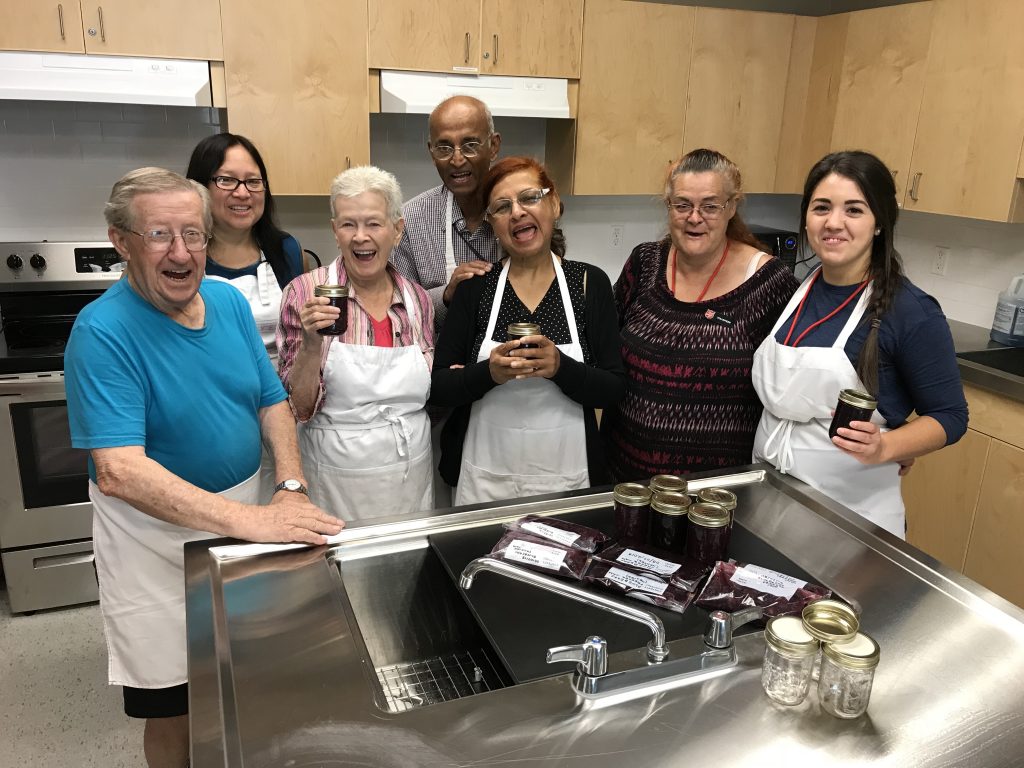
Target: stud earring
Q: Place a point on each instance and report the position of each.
(878, 232)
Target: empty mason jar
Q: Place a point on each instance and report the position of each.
(847, 674)
(788, 656)
(829, 621)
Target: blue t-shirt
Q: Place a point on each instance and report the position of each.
(917, 369)
(293, 257)
(191, 397)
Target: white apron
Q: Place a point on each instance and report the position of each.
(799, 387)
(525, 437)
(366, 453)
(449, 242)
(140, 564)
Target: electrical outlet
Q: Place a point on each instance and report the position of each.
(941, 258)
(617, 235)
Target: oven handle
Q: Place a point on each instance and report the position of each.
(54, 561)
(33, 387)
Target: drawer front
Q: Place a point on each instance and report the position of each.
(50, 577)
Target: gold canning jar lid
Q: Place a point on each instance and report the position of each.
(860, 652)
(632, 494)
(831, 621)
(518, 330)
(670, 503)
(858, 399)
(719, 496)
(709, 515)
(331, 291)
(665, 483)
(787, 635)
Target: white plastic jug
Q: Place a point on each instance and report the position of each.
(1008, 324)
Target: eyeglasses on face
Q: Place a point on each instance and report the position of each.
(447, 151)
(528, 198)
(706, 210)
(230, 183)
(158, 240)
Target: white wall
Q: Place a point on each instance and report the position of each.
(58, 161)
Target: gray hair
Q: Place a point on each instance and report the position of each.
(705, 161)
(368, 178)
(147, 181)
(476, 103)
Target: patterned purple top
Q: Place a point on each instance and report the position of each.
(690, 404)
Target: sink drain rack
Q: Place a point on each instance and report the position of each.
(441, 678)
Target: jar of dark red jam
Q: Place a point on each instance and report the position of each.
(853, 405)
(722, 497)
(519, 330)
(338, 294)
(667, 484)
(707, 532)
(668, 520)
(632, 512)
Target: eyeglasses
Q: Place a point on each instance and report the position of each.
(447, 151)
(158, 240)
(528, 198)
(706, 210)
(230, 183)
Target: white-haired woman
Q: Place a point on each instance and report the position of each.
(359, 397)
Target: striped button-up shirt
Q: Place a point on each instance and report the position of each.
(360, 329)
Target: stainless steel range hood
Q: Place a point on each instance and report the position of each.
(111, 79)
(420, 92)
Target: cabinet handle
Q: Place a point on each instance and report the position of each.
(348, 162)
(467, 48)
(495, 50)
(103, 31)
(914, 184)
(60, 20)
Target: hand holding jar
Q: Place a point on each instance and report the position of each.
(536, 356)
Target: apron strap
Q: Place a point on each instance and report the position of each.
(563, 287)
(264, 274)
(778, 447)
(449, 242)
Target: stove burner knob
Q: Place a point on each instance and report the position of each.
(14, 261)
(37, 261)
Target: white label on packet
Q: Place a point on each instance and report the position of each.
(764, 580)
(535, 554)
(635, 581)
(647, 562)
(545, 531)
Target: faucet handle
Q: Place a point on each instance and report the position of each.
(591, 656)
(721, 625)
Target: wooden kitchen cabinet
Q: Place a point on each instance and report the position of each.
(179, 29)
(31, 25)
(737, 89)
(539, 38)
(296, 85)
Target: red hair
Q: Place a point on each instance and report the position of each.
(509, 165)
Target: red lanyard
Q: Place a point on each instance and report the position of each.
(672, 272)
(829, 316)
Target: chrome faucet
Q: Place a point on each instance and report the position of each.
(722, 624)
(657, 650)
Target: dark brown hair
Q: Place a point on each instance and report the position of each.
(509, 165)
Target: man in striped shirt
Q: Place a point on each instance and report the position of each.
(446, 238)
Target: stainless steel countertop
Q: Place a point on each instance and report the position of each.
(278, 674)
(971, 338)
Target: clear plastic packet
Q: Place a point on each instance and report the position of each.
(638, 585)
(732, 586)
(561, 532)
(682, 571)
(542, 555)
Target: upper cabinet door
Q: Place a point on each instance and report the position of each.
(884, 63)
(540, 38)
(971, 123)
(178, 29)
(738, 88)
(632, 97)
(31, 25)
(429, 35)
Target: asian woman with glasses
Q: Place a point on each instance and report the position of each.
(524, 421)
(692, 308)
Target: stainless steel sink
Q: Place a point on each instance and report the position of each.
(1006, 359)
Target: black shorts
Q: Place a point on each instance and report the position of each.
(156, 702)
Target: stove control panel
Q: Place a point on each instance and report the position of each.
(58, 266)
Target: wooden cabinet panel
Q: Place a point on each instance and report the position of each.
(738, 88)
(540, 38)
(994, 552)
(297, 86)
(972, 114)
(179, 29)
(995, 415)
(941, 493)
(31, 25)
(884, 62)
(632, 96)
(429, 35)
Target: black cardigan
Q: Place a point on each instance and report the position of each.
(597, 385)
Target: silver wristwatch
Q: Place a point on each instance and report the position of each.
(291, 485)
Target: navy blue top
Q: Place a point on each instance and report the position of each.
(917, 369)
(292, 252)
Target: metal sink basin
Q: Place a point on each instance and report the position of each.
(1007, 359)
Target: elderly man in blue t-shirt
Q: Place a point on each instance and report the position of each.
(171, 390)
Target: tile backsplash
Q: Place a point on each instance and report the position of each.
(58, 161)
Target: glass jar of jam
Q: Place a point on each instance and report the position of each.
(519, 330)
(668, 520)
(847, 674)
(667, 484)
(722, 497)
(707, 532)
(829, 621)
(789, 652)
(632, 503)
(853, 405)
(338, 295)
